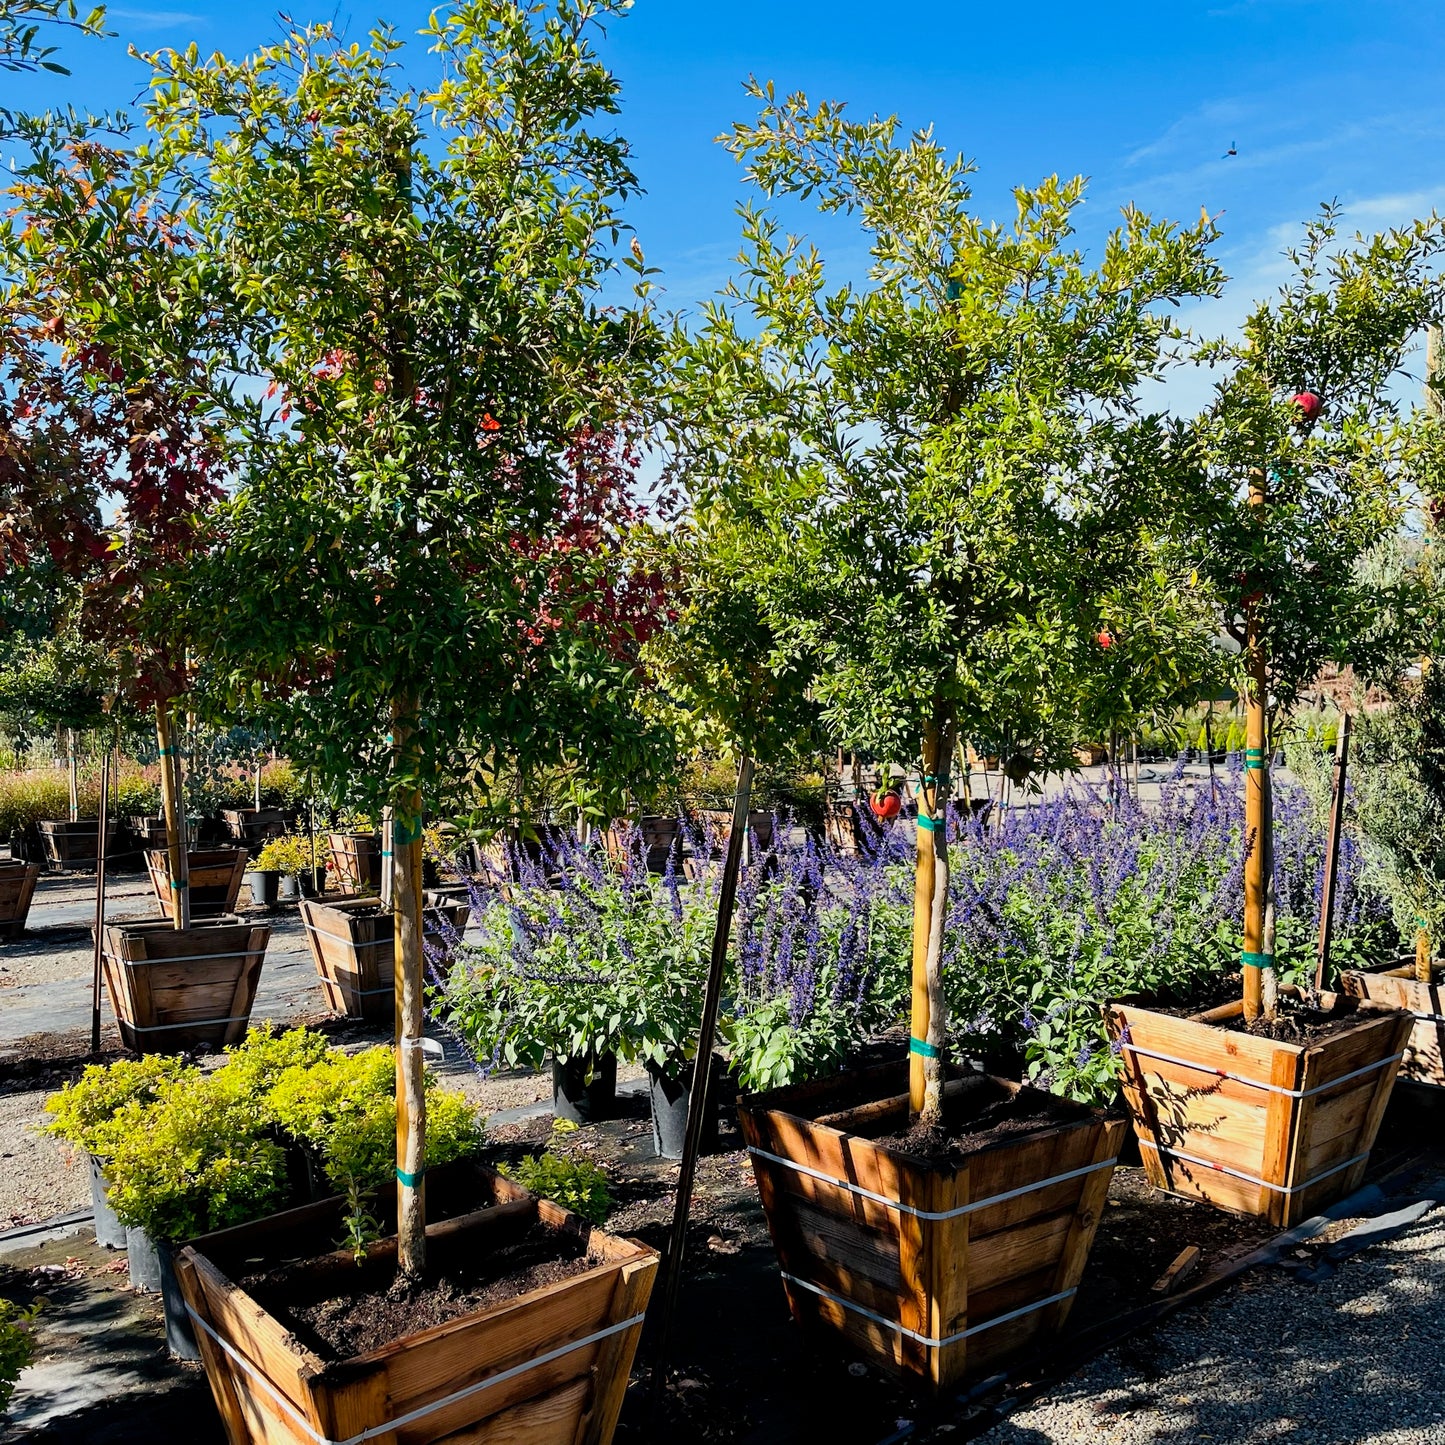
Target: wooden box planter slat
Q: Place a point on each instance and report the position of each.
(353, 948)
(1251, 1125)
(17, 888)
(252, 826)
(73, 845)
(357, 860)
(547, 1368)
(215, 874)
(1397, 987)
(183, 989)
(760, 825)
(933, 1272)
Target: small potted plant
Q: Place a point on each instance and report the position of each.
(287, 869)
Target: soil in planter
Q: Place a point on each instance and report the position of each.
(1295, 1022)
(340, 1315)
(980, 1113)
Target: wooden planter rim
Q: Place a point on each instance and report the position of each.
(422, 1411)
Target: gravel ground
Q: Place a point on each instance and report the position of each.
(1353, 1360)
(38, 1176)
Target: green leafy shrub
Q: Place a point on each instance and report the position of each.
(194, 1160)
(575, 1184)
(344, 1108)
(136, 794)
(254, 1067)
(82, 1111)
(282, 786)
(293, 854)
(17, 1346)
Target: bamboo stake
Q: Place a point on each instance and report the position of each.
(410, 1082)
(1255, 960)
(74, 772)
(1332, 850)
(176, 844)
(702, 1063)
(100, 851)
(929, 1011)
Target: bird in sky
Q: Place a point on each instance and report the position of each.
(1232, 151)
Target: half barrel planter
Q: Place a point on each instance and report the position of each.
(1397, 987)
(1253, 1125)
(549, 1367)
(932, 1271)
(183, 989)
(215, 880)
(353, 945)
(17, 888)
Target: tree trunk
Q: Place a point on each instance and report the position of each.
(179, 858)
(928, 1033)
(1424, 960)
(74, 771)
(410, 1092)
(1256, 960)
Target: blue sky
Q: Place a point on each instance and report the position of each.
(1322, 98)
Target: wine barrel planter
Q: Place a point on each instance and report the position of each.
(930, 1271)
(548, 1367)
(17, 888)
(183, 989)
(1253, 1125)
(73, 844)
(215, 875)
(357, 860)
(1397, 987)
(352, 943)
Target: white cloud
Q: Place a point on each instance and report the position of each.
(155, 19)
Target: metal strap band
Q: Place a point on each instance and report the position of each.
(188, 1024)
(1252, 1178)
(897, 1204)
(182, 958)
(1431, 1018)
(923, 1339)
(301, 1422)
(1258, 1083)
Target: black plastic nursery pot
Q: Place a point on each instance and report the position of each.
(669, 1091)
(584, 1090)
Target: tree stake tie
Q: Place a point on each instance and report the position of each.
(928, 824)
(1256, 960)
(924, 1049)
(1253, 758)
(411, 1181)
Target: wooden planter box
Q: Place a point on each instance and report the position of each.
(215, 873)
(17, 888)
(357, 860)
(72, 845)
(252, 826)
(547, 1368)
(1424, 1061)
(760, 825)
(1256, 1127)
(936, 1299)
(353, 949)
(188, 989)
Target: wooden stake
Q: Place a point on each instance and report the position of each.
(1424, 961)
(1332, 850)
(410, 1081)
(74, 771)
(698, 1103)
(176, 843)
(929, 1011)
(100, 851)
(1256, 810)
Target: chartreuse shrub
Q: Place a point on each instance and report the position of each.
(82, 1111)
(17, 1346)
(344, 1108)
(187, 1152)
(193, 1160)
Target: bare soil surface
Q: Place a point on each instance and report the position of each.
(981, 1114)
(341, 1316)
